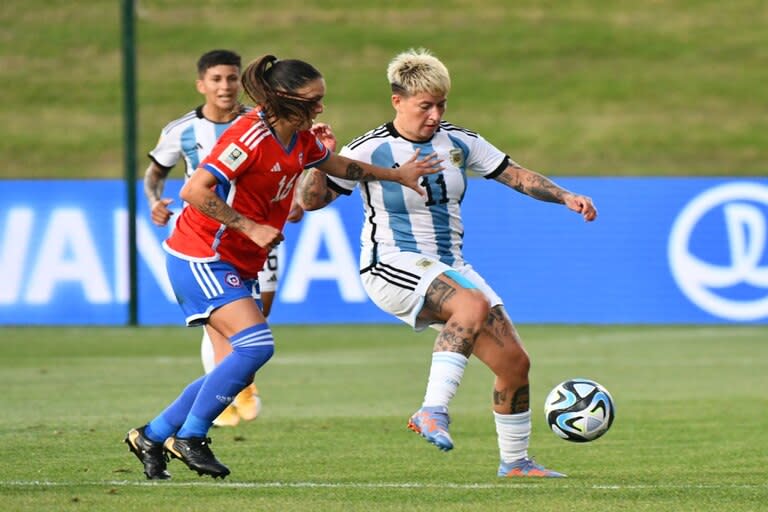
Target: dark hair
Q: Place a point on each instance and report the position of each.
(217, 58)
(272, 83)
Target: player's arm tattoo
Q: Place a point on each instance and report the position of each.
(355, 172)
(455, 338)
(217, 209)
(312, 185)
(532, 184)
(154, 182)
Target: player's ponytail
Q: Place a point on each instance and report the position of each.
(272, 84)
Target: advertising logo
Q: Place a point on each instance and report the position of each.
(717, 251)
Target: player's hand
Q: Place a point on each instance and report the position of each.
(583, 205)
(410, 172)
(264, 235)
(325, 135)
(160, 212)
(296, 213)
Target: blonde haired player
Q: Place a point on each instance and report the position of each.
(411, 261)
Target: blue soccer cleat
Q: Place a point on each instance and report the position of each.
(526, 468)
(432, 424)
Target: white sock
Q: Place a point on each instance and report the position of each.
(513, 431)
(206, 353)
(444, 378)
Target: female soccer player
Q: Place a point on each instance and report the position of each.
(412, 264)
(238, 201)
(190, 138)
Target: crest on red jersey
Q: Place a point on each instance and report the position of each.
(233, 156)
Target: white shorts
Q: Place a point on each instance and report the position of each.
(268, 276)
(398, 283)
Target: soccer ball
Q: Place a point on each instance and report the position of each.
(579, 410)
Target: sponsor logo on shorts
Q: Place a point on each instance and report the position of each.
(233, 156)
(233, 280)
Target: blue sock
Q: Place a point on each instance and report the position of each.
(168, 422)
(251, 348)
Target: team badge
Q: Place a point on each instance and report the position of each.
(233, 156)
(233, 280)
(456, 157)
(424, 263)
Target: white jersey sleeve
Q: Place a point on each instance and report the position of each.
(168, 150)
(472, 152)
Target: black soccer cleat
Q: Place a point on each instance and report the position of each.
(149, 452)
(196, 453)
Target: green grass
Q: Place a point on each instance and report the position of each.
(689, 433)
(576, 87)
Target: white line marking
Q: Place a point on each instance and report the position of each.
(512, 483)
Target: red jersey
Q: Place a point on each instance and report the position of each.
(256, 175)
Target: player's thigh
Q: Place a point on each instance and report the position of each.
(451, 295)
(235, 316)
(213, 293)
(398, 282)
(219, 342)
(419, 290)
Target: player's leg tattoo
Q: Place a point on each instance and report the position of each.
(520, 400)
(498, 326)
(438, 294)
(455, 338)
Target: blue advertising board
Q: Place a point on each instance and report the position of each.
(663, 250)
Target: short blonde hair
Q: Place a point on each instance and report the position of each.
(416, 71)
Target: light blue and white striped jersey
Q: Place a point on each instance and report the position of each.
(397, 219)
(191, 137)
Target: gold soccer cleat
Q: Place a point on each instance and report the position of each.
(228, 417)
(248, 403)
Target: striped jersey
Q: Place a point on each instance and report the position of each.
(191, 137)
(397, 219)
(255, 175)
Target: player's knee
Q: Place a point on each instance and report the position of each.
(477, 308)
(261, 352)
(522, 365)
(255, 342)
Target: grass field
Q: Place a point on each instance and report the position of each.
(689, 433)
(576, 87)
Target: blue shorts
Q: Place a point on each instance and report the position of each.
(202, 287)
